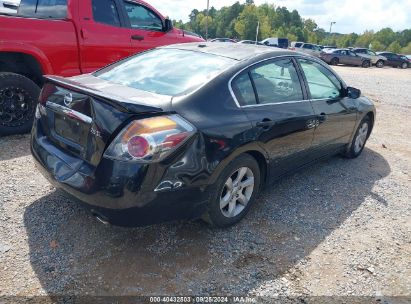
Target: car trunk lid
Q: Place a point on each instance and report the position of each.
(82, 115)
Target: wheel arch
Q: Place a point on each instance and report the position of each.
(252, 149)
(26, 60)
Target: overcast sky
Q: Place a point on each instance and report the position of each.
(350, 15)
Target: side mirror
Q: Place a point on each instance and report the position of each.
(353, 93)
(168, 25)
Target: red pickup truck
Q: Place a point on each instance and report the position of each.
(67, 38)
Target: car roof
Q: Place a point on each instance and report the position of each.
(238, 51)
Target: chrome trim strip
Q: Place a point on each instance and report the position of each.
(274, 103)
(265, 104)
(69, 112)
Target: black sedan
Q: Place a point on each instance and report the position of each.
(396, 61)
(193, 131)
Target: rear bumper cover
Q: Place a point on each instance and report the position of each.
(126, 193)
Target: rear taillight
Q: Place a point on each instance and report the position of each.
(150, 139)
(47, 90)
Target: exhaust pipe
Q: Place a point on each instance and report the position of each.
(101, 218)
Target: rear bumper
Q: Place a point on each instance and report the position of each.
(125, 193)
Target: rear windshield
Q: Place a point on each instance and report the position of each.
(166, 71)
(53, 9)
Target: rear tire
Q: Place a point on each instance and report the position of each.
(234, 192)
(380, 64)
(360, 138)
(334, 61)
(18, 100)
(366, 64)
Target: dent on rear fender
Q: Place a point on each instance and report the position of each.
(189, 168)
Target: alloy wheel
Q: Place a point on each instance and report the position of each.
(361, 137)
(237, 192)
(14, 107)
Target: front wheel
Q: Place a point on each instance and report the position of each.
(380, 64)
(360, 138)
(404, 65)
(18, 99)
(234, 192)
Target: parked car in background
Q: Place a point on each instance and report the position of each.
(376, 59)
(407, 56)
(51, 37)
(295, 44)
(250, 42)
(9, 6)
(344, 56)
(308, 48)
(183, 132)
(223, 40)
(329, 47)
(395, 60)
(276, 42)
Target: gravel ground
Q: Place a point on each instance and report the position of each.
(339, 228)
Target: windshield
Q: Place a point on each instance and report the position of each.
(166, 71)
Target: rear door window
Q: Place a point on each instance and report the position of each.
(48, 9)
(105, 11)
(277, 82)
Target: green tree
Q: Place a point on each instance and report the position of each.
(377, 46)
(386, 36)
(240, 21)
(394, 47)
(246, 24)
(407, 49)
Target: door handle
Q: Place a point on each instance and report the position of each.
(83, 33)
(265, 124)
(137, 37)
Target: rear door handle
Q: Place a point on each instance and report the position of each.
(265, 123)
(137, 37)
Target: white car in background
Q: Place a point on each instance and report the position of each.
(9, 6)
(377, 60)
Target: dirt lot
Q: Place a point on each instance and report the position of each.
(339, 228)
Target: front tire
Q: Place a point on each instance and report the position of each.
(234, 192)
(404, 65)
(360, 138)
(18, 99)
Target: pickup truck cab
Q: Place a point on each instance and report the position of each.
(67, 38)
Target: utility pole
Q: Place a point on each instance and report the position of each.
(331, 25)
(258, 29)
(208, 5)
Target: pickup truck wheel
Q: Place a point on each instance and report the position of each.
(380, 63)
(18, 99)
